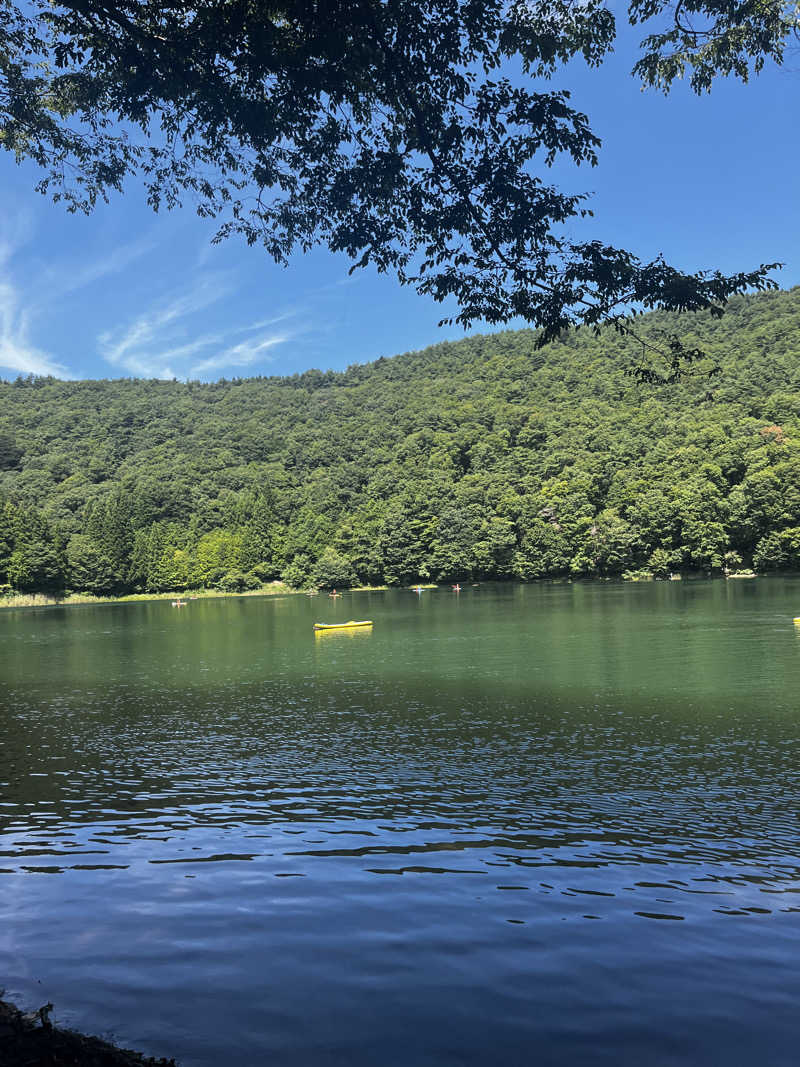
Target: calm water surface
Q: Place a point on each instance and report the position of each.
(551, 824)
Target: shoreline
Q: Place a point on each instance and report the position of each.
(44, 600)
(278, 588)
(32, 1038)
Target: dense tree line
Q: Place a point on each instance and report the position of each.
(483, 458)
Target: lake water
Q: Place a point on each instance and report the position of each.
(550, 824)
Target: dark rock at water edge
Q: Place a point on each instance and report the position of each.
(31, 1040)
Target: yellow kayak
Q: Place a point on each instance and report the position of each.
(341, 625)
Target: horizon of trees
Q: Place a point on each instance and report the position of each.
(483, 458)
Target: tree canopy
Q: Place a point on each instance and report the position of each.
(385, 129)
(484, 458)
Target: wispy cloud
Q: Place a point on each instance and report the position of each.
(142, 348)
(18, 354)
(245, 354)
(19, 315)
(159, 342)
(63, 280)
(221, 337)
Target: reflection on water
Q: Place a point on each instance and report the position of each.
(346, 632)
(552, 824)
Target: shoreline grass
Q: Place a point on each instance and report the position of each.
(43, 600)
(277, 588)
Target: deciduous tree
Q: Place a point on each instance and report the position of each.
(385, 129)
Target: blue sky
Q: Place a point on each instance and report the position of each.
(710, 182)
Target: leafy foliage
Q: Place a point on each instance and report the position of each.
(708, 38)
(484, 458)
(384, 129)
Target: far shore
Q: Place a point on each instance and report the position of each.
(42, 600)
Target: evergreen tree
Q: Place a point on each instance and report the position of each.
(483, 458)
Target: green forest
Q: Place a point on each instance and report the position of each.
(486, 458)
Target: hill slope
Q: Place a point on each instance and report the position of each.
(483, 457)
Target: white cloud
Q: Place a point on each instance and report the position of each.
(222, 337)
(242, 355)
(17, 353)
(143, 347)
(67, 279)
(182, 334)
(161, 338)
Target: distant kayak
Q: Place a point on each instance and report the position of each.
(341, 625)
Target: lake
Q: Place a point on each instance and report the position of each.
(550, 824)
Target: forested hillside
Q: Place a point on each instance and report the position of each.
(480, 458)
